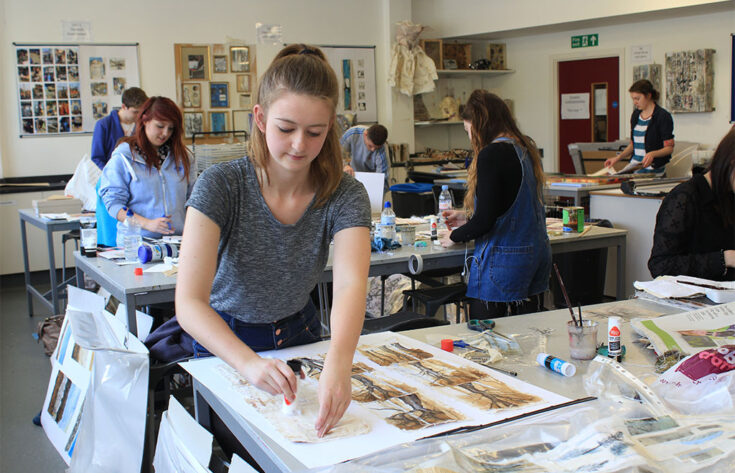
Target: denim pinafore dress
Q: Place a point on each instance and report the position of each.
(513, 261)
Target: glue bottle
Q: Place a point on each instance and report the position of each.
(292, 407)
(614, 348)
(148, 252)
(556, 364)
(432, 223)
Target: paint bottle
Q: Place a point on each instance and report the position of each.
(556, 364)
(432, 222)
(292, 408)
(148, 252)
(614, 348)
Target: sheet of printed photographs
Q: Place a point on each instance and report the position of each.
(49, 90)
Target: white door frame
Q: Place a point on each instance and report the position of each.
(554, 111)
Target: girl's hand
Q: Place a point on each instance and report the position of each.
(446, 241)
(348, 169)
(454, 218)
(730, 258)
(611, 161)
(272, 376)
(335, 395)
(647, 160)
(160, 225)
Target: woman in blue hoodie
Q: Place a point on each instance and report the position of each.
(151, 172)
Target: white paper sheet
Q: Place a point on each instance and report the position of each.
(373, 182)
(238, 465)
(144, 321)
(382, 434)
(690, 332)
(193, 436)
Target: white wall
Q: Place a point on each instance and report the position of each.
(449, 18)
(533, 86)
(157, 25)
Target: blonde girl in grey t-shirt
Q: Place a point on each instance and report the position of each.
(257, 233)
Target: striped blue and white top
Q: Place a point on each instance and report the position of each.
(639, 139)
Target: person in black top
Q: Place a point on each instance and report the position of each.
(510, 267)
(695, 226)
(651, 131)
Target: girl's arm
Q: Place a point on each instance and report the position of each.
(628, 151)
(350, 269)
(197, 267)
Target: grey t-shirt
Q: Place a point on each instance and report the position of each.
(265, 269)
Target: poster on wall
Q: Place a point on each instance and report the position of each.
(690, 81)
(355, 69)
(63, 89)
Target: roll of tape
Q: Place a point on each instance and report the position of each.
(415, 264)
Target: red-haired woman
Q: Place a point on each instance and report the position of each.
(151, 171)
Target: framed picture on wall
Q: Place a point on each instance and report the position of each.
(191, 94)
(433, 49)
(219, 121)
(245, 101)
(239, 59)
(219, 64)
(241, 120)
(195, 62)
(243, 83)
(219, 95)
(193, 122)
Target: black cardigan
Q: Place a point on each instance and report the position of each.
(660, 129)
(690, 234)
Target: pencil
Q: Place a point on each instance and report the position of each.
(566, 296)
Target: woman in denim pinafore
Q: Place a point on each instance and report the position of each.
(509, 270)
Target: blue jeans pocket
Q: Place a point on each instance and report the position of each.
(512, 268)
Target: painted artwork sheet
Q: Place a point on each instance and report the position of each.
(402, 390)
(690, 332)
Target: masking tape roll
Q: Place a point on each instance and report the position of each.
(415, 264)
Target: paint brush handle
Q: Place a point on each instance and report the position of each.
(566, 296)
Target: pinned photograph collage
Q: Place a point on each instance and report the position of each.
(108, 78)
(215, 87)
(49, 90)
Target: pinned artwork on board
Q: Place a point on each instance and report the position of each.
(193, 123)
(195, 62)
(239, 59)
(219, 94)
(219, 121)
(191, 93)
(219, 64)
(690, 81)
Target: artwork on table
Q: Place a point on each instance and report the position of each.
(690, 81)
(245, 101)
(99, 110)
(219, 94)
(117, 63)
(652, 72)
(241, 120)
(219, 64)
(118, 85)
(191, 93)
(219, 121)
(193, 122)
(195, 62)
(243, 83)
(98, 88)
(239, 59)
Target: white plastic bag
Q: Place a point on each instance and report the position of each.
(700, 383)
(112, 423)
(82, 183)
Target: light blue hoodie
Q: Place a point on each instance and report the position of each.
(127, 182)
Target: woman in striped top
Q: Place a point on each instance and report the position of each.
(651, 131)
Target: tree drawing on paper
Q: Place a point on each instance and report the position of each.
(313, 367)
(296, 428)
(489, 393)
(441, 373)
(415, 411)
(392, 353)
(366, 388)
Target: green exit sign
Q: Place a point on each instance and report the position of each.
(585, 41)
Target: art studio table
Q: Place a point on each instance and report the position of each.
(437, 257)
(125, 286)
(546, 329)
(49, 226)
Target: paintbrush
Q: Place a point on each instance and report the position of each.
(706, 286)
(566, 296)
(579, 307)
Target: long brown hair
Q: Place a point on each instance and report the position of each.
(723, 172)
(165, 110)
(303, 70)
(645, 87)
(490, 117)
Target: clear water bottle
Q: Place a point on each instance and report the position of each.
(445, 202)
(132, 238)
(121, 230)
(388, 222)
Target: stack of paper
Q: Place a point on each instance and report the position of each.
(57, 204)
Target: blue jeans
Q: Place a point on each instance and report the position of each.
(301, 328)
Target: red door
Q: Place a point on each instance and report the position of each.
(583, 77)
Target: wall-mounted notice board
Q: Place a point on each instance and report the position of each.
(63, 89)
(355, 69)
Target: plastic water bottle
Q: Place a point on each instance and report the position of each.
(445, 202)
(388, 223)
(132, 238)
